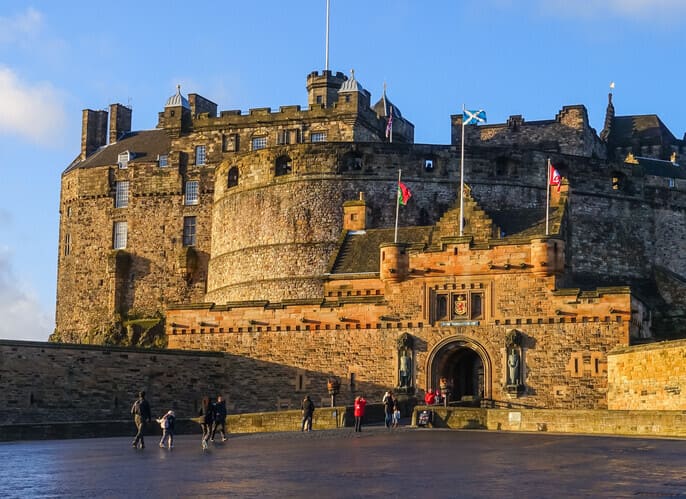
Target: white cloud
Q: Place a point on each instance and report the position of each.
(21, 28)
(34, 111)
(22, 316)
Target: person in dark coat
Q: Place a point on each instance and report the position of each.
(141, 416)
(219, 418)
(206, 414)
(307, 407)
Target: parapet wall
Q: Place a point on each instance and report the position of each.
(648, 377)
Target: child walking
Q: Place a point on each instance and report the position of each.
(396, 416)
(167, 424)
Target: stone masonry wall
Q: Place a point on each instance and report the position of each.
(648, 377)
(92, 287)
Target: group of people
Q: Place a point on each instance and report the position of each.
(391, 410)
(212, 418)
(433, 398)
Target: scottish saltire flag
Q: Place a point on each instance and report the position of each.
(473, 117)
(389, 125)
(403, 194)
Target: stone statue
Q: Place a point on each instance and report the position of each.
(513, 367)
(405, 368)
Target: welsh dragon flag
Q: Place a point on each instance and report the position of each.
(403, 193)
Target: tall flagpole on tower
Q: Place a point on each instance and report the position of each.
(397, 209)
(547, 198)
(462, 177)
(326, 66)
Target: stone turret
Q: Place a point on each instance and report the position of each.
(547, 257)
(394, 262)
(355, 214)
(322, 89)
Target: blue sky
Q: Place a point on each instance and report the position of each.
(528, 57)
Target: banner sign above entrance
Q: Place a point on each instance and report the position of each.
(458, 323)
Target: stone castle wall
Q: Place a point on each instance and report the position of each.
(648, 377)
(95, 282)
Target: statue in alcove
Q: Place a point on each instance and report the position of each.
(405, 354)
(513, 341)
(513, 370)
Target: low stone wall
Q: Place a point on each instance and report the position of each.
(647, 377)
(643, 423)
(325, 418)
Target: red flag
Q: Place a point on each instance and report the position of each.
(403, 193)
(555, 177)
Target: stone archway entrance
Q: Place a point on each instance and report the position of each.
(467, 367)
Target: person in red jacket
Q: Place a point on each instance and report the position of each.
(430, 397)
(360, 404)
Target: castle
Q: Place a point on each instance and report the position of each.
(270, 236)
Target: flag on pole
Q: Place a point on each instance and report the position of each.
(389, 125)
(473, 117)
(555, 177)
(403, 193)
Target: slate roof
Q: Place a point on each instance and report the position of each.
(646, 129)
(661, 168)
(145, 145)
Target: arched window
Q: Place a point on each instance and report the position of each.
(284, 166)
(233, 176)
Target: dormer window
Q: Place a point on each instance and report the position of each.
(124, 158)
(163, 160)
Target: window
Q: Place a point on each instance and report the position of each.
(189, 231)
(283, 166)
(123, 159)
(67, 244)
(162, 160)
(230, 143)
(318, 137)
(191, 192)
(259, 143)
(233, 177)
(428, 165)
(121, 199)
(199, 155)
(120, 230)
(476, 309)
(319, 99)
(441, 307)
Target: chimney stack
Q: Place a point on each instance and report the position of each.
(120, 121)
(93, 131)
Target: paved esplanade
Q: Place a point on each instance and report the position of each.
(340, 463)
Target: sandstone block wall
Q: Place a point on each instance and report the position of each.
(648, 377)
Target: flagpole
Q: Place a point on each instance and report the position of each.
(547, 198)
(391, 137)
(397, 208)
(326, 66)
(462, 176)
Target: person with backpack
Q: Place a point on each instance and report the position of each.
(219, 418)
(167, 424)
(141, 416)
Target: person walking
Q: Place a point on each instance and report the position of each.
(388, 402)
(358, 411)
(219, 418)
(141, 416)
(167, 424)
(206, 414)
(307, 408)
